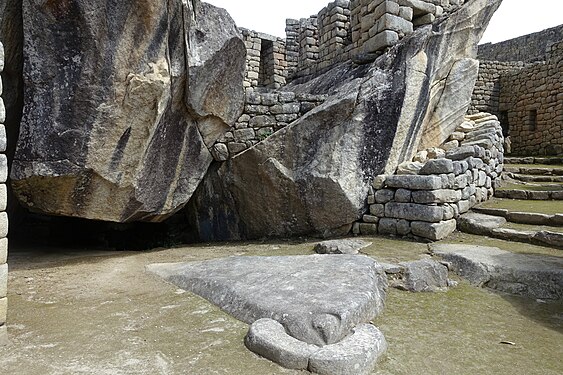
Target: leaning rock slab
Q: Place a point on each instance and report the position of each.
(123, 100)
(312, 177)
(534, 276)
(319, 299)
(346, 246)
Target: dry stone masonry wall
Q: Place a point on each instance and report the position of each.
(343, 30)
(426, 196)
(266, 64)
(3, 214)
(264, 114)
(531, 99)
(527, 48)
(486, 95)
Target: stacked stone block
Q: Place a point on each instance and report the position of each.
(379, 24)
(334, 28)
(308, 43)
(486, 95)
(441, 184)
(266, 64)
(532, 100)
(264, 114)
(292, 45)
(3, 214)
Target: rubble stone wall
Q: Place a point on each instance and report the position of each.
(264, 114)
(532, 101)
(426, 196)
(3, 214)
(527, 48)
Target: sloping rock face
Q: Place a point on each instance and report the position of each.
(312, 177)
(122, 102)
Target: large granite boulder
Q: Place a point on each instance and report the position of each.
(123, 101)
(313, 176)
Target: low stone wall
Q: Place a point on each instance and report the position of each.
(486, 95)
(427, 195)
(527, 48)
(532, 101)
(264, 114)
(3, 214)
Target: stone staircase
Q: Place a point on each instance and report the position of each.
(527, 208)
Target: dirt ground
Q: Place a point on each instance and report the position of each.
(90, 311)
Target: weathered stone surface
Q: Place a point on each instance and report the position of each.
(550, 238)
(345, 246)
(372, 120)
(356, 354)
(326, 297)
(425, 275)
(535, 276)
(122, 102)
(436, 196)
(414, 182)
(433, 231)
(476, 223)
(413, 211)
(437, 166)
(267, 337)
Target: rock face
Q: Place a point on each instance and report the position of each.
(312, 177)
(122, 102)
(319, 299)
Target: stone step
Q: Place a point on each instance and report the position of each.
(518, 205)
(530, 191)
(520, 217)
(497, 227)
(533, 160)
(539, 169)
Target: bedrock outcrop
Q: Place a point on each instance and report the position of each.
(123, 101)
(313, 176)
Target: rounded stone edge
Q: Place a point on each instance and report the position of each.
(268, 338)
(356, 354)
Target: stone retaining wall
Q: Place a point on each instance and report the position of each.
(527, 48)
(532, 101)
(428, 194)
(264, 114)
(3, 214)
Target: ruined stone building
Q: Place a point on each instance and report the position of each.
(521, 81)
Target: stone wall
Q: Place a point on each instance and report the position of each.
(486, 96)
(266, 64)
(531, 99)
(527, 48)
(359, 30)
(264, 114)
(426, 196)
(334, 31)
(3, 214)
